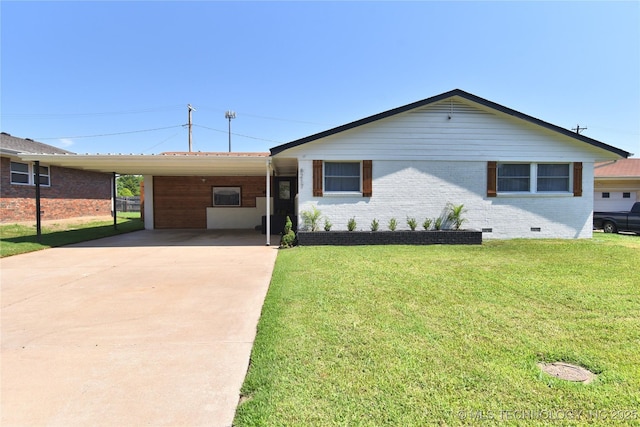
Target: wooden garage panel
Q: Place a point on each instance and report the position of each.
(182, 201)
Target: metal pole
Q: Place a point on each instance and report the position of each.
(38, 214)
(268, 220)
(115, 205)
(190, 109)
(230, 115)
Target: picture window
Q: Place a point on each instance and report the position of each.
(227, 196)
(342, 176)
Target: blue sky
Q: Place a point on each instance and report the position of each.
(127, 70)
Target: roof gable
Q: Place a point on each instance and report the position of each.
(454, 93)
(16, 145)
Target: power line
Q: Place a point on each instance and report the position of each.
(104, 113)
(161, 142)
(266, 117)
(238, 134)
(109, 134)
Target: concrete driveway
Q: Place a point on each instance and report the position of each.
(147, 328)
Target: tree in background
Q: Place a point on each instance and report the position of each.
(128, 185)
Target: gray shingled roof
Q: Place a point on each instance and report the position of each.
(12, 144)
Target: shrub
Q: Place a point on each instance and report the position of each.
(327, 225)
(412, 223)
(288, 239)
(393, 224)
(454, 214)
(427, 223)
(311, 218)
(351, 225)
(437, 223)
(374, 225)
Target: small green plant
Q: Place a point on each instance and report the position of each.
(393, 224)
(454, 214)
(288, 239)
(327, 224)
(375, 225)
(427, 223)
(412, 223)
(311, 218)
(351, 225)
(437, 223)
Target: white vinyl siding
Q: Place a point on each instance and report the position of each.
(473, 133)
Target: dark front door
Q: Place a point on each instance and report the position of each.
(285, 193)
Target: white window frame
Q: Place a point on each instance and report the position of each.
(533, 180)
(339, 192)
(31, 173)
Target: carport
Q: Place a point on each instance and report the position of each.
(180, 187)
(153, 327)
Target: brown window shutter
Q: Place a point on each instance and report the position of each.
(492, 179)
(577, 179)
(317, 178)
(367, 178)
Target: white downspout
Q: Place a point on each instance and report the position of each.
(268, 221)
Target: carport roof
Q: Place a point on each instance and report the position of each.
(165, 164)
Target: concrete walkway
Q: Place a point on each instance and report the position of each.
(148, 328)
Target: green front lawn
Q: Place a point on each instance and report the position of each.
(448, 335)
(17, 239)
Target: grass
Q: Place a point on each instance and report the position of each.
(448, 335)
(18, 239)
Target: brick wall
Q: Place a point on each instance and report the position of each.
(73, 193)
(422, 189)
(182, 201)
(350, 238)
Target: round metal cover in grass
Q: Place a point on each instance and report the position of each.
(568, 372)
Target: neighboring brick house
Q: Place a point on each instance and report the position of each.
(64, 192)
(617, 185)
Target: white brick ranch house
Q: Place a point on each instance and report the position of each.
(516, 175)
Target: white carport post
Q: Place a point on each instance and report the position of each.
(268, 220)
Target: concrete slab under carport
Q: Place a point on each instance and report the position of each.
(146, 328)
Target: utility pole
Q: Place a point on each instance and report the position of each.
(230, 115)
(578, 129)
(190, 110)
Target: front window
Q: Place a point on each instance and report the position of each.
(44, 175)
(514, 177)
(553, 177)
(534, 178)
(25, 174)
(19, 173)
(227, 196)
(342, 176)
